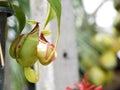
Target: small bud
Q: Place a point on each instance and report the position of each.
(46, 32)
(44, 51)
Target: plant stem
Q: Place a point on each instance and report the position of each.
(104, 1)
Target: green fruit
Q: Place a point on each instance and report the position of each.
(31, 75)
(102, 41)
(96, 76)
(115, 46)
(108, 60)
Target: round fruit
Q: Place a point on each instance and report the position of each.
(115, 46)
(96, 76)
(108, 60)
(102, 41)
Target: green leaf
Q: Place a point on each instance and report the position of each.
(4, 3)
(56, 5)
(20, 17)
(18, 13)
(51, 14)
(25, 6)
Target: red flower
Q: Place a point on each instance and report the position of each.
(85, 85)
(68, 88)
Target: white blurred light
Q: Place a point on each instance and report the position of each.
(11, 21)
(106, 15)
(91, 5)
(118, 54)
(11, 34)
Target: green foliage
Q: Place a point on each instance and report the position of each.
(19, 14)
(51, 15)
(24, 5)
(20, 17)
(56, 5)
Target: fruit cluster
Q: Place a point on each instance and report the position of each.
(107, 46)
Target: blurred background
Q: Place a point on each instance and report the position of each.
(89, 43)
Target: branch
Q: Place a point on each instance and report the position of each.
(94, 13)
